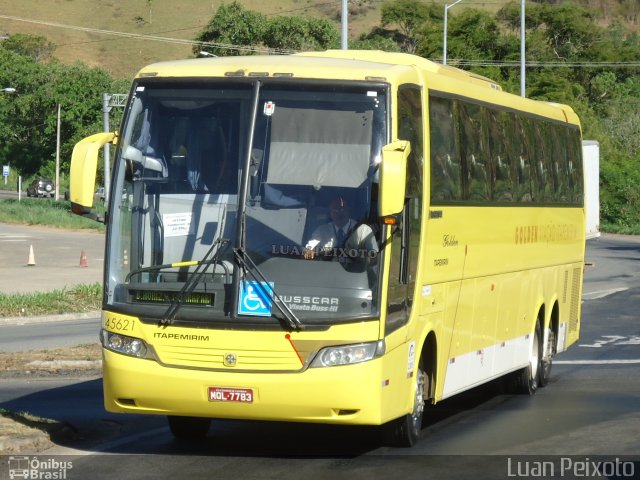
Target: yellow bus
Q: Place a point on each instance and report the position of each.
(227, 294)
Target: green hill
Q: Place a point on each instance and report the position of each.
(80, 28)
(107, 33)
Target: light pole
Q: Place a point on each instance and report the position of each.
(11, 90)
(344, 19)
(444, 43)
(523, 92)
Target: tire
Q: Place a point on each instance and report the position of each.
(405, 431)
(189, 428)
(527, 379)
(547, 360)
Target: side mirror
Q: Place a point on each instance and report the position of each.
(146, 162)
(393, 177)
(84, 163)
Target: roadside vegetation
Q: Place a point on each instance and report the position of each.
(77, 299)
(42, 211)
(583, 53)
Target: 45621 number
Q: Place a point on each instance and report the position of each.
(120, 324)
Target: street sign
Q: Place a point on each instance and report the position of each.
(5, 170)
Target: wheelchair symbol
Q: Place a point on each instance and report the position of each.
(255, 299)
(252, 301)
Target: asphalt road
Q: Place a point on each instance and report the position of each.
(56, 254)
(589, 412)
(47, 335)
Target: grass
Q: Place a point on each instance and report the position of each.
(77, 299)
(81, 298)
(123, 57)
(41, 211)
(620, 229)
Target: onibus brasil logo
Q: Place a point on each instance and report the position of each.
(36, 468)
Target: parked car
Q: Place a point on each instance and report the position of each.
(99, 195)
(41, 187)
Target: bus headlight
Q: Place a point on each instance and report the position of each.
(348, 354)
(134, 347)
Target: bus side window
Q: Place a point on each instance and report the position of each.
(444, 171)
(471, 138)
(524, 139)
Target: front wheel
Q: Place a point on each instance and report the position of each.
(189, 428)
(405, 431)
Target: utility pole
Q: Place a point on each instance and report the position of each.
(109, 100)
(446, 21)
(344, 22)
(57, 186)
(523, 91)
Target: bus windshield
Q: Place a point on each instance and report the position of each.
(308, 157)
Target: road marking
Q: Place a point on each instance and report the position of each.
(5, 237)
(613, 340)
(601, 293)
(597, 362)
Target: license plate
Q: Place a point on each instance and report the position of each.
(224, 394)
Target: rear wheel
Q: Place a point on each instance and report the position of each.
(405, 431)
(189, 428)
(547, 358)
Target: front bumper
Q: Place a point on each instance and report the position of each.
(352, 394)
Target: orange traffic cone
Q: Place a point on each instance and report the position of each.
(32, 259)
(83, 259)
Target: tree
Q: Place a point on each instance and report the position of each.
(298, 33)
(567, 31)
(410, 16)
(34, 46)
(473, 35)
(234, 30)
(377, 39)
(28, 118)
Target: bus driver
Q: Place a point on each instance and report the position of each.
(342, 236)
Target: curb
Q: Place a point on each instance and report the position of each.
(50, 318)
(29, 443)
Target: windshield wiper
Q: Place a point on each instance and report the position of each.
(164, 266)
(194, 279)
(249, 265)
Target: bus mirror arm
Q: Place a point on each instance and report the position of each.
(395, 229)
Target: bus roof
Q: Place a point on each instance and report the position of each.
(272, 65)
(345, 64)
(405, 59)
(357, 65)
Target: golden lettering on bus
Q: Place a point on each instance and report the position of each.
(550, 233)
